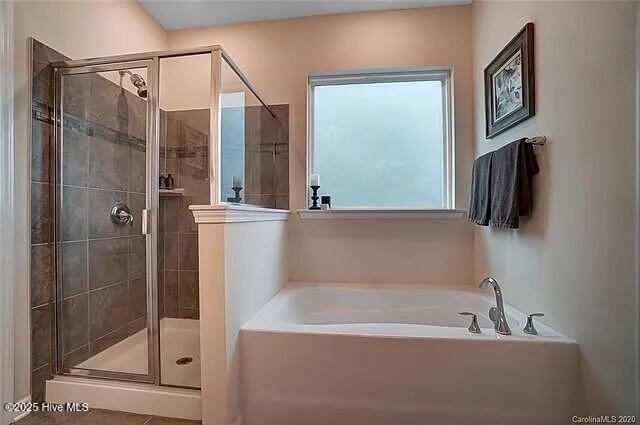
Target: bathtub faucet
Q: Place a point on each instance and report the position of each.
(496, 314)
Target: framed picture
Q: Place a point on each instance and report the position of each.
(509, 84)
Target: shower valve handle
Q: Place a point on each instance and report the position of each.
(120, 214)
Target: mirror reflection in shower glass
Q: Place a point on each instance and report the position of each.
(253, 146)
(185, 99)
(103, 295)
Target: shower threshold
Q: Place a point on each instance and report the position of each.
(179, 340)
(145, 399)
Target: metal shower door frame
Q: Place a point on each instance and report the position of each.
(151, 212)
(218, 58)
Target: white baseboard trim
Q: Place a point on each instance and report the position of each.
(21, 415)
(144, 399)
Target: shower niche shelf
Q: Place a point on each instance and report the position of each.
(179, 191)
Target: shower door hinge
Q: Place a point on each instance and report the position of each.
(145, 222)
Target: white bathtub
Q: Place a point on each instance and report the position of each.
(400, 354)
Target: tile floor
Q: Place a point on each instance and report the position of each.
(99, 417)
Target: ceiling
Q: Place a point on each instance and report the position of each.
(176, 14)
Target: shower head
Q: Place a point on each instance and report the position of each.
(137, 81)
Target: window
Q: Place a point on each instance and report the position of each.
(382, 139)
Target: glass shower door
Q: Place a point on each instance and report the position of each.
(106, 195)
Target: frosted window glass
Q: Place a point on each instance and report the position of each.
(380, 144)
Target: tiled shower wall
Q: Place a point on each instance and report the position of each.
(184, 145)
(42, 238)
(104, 286)
(267, 156)
(184, 142)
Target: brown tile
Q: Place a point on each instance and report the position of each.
(161, 293)
(171, 250)
(170, 208)
(100, 224)
(38, 378)
(76, 357)
(122, 114)
(161, 251)
(172, 166)
(137, 264)
(188, 251)
(188, 289)
(171, 129)
(282, 202)
(41, 274)
(137, 325)
(171, 293)
(102, 104)
(75, 161)
(75, 278)
(108, 164)
(43, 72)
(107, 417)
(75, 322)
(76, 94)
(137, 298)
(112, 338)
(41, 143)
(282, 172)
(186, 220)
(108, 260)
(41, 335)
(74, 213)
(42, 82)
(188, 313)
(252, 125)
(41, 213)
(137, 168)
(137, 116)
(136, 203)
(109, 309)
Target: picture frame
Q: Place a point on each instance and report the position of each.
(509, 84)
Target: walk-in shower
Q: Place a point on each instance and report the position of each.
(127, 143)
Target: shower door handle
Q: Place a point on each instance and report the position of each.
(145, 222)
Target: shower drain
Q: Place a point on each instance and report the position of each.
(184, 360)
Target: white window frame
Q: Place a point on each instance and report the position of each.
(443, 74)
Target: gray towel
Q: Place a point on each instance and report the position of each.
(512, 167)
(480, 203)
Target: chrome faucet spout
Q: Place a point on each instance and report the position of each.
(496, 314)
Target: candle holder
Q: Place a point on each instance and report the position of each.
(236, 198)
(315, 198)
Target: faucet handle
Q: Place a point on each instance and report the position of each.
(473, 327)
(529, 328)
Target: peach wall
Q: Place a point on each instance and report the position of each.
(575, 258)
(277, 56)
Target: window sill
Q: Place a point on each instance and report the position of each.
(381, 214)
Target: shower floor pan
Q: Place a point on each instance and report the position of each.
(179, 353)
